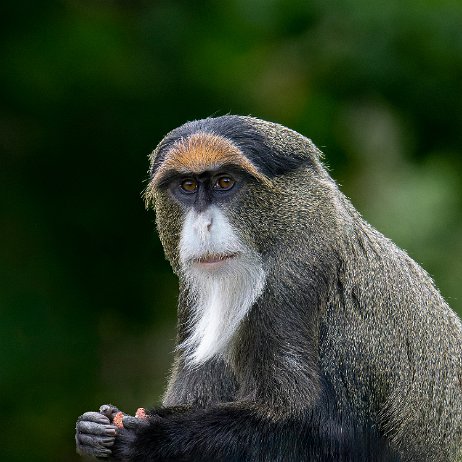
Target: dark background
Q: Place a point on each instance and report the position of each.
(87, 300)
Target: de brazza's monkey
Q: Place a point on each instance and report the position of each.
(303, 333)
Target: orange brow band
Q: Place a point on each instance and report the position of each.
(204, 151)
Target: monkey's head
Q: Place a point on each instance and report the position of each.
(233, 195)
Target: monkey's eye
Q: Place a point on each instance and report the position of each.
(224, 183)
(189, 185)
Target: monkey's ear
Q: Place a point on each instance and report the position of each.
(155, 183)
(148, 196)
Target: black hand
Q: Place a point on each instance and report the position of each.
(94, 435)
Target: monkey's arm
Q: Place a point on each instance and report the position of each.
(243, 432)
(222, 433)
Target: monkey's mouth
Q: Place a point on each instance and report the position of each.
(215, 259)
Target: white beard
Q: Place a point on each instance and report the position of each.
(221, 294)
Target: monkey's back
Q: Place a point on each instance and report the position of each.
(404, 343)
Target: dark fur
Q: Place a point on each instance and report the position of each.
(350, 354)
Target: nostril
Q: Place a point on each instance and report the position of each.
(209, 225)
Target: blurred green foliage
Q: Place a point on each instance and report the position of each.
(88, 89)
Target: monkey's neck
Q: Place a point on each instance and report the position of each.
(276, 346)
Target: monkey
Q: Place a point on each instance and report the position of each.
(303, 333)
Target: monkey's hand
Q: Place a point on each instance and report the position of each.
(95, 432)
(107, 433)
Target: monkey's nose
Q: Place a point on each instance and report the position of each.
(203, 224)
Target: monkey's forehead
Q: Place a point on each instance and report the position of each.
(263, 149)
(201, 152)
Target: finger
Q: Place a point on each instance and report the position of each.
(141, 413)
(96, 429)
(108, 410)
(117, 420)
(94, 417)
(91, 440)
(131, 423)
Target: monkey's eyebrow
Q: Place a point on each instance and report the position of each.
(203, 152)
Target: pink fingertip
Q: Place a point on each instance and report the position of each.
(141, 413)
(117, 421)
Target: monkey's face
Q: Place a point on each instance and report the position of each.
(221, 196)
(198, 189)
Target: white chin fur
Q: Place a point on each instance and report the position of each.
(221, 293)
